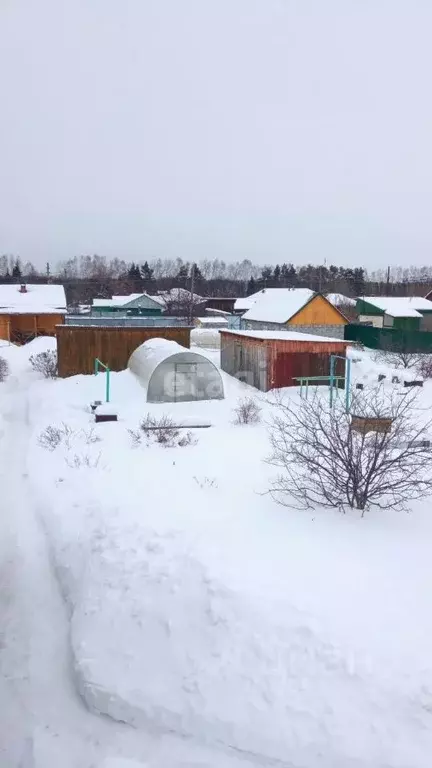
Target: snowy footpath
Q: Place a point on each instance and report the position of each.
(158, 610)
(44, 723)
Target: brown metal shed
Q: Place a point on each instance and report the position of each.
(274, 359)
(79, 345)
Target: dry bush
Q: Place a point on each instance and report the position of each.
(4, 369)
(424, 366)
(247, 411)
(83, 461)
(45, 363)
(325, 462)
(162, 431)
(51, 437)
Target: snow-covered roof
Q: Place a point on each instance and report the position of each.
(284, 336)
(180, 295)
(35, 300)
(278, 305)
(213, 320)
(117, 301)
(339, 300)
(400, 306)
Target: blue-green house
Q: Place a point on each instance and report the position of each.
(134, 305)
(405, 313)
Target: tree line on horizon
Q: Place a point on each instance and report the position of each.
(89, 277)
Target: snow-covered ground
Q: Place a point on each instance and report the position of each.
(227, 630)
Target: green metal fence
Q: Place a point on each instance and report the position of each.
(389, 339)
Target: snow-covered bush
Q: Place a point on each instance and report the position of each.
(4, 369)
(325, 461)
(162, 431)
(45, 363)
(51, 437)
(247, 411)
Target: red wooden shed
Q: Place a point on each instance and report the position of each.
(274, 359)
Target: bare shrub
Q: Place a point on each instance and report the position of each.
(162, 431)
(4, 369)
(424, 366)
(247, 411)
(77, 461)
(51, 437)
(188, 438)
(136, 437)
(324, 461)
(90, 437)
(45, 363)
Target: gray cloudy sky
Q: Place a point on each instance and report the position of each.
(267, 129)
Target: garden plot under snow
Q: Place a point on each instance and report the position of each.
(199, 607)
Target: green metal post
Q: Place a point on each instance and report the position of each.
(100, 364)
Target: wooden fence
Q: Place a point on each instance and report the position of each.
(79, 346)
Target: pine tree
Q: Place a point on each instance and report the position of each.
(277, 274)
(251, 287)
(16, 271)
(147, 276)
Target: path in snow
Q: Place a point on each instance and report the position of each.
(43, 721)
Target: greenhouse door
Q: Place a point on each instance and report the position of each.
(185, 382)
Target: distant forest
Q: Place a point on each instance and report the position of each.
(89, 277)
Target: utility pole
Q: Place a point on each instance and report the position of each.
(48, 271)
(388, 282)
(192, 290)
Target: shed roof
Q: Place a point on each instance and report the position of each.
(285, 336)
(278, 305)
(399, 306)
(37, 299)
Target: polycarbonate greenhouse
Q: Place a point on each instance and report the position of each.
(171, 373)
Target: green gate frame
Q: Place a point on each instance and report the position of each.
(99, 364)
(333, 380)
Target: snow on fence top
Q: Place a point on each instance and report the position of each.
(32, 299)
(286, 336)
(400, 306)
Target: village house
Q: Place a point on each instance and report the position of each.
(135, 305)
(405, 313)
(28, 311)
(297, 309)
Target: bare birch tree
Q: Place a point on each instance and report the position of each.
(325, 461)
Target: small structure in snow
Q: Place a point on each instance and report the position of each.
(171, 373)
(30, 310)
(275, 359)
(105, 412)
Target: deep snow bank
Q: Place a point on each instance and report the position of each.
(198, 607)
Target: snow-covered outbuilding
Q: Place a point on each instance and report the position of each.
(30, 310)
(171, 373)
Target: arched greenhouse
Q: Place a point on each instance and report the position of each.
(171, 373)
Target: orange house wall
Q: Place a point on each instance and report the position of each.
(319, 311)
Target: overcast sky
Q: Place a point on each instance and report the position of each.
(275, 130)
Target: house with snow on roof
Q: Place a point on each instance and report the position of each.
(135, 305)
(294, 309)
(406, 313)
(28, 311)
